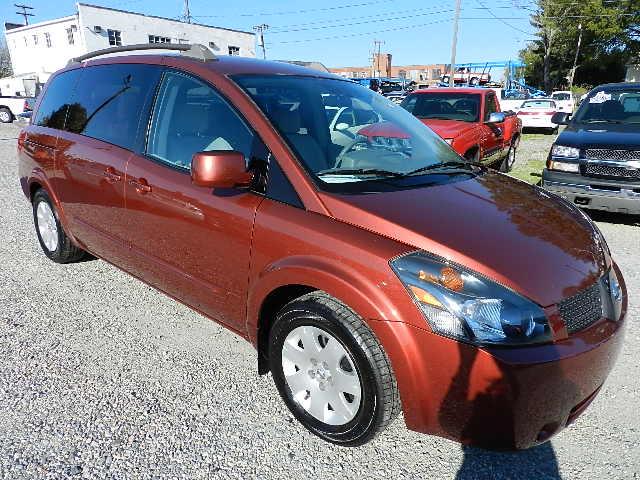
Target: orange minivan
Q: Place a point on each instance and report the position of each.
(373, 268)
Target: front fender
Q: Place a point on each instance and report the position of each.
(367, 298)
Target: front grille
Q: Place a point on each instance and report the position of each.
(615, 155)
(602, 170)
(582, 309)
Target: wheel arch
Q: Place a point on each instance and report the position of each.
(283, 281)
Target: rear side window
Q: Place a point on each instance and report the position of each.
(111, 102)
(57, 98)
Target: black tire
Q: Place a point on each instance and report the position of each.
(65, 251)
(380, 401)
(5, 115)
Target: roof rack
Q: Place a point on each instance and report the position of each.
(193, 50)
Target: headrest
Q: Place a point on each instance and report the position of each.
(288, 121)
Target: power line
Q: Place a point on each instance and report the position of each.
(351, 24)
(349, 35)
(297, 12)
(490, 12)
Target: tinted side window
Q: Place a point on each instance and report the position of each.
(110, 101)
(53, 108)
(279, 188)
(190, 117)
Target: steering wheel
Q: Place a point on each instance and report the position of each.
(347, 148)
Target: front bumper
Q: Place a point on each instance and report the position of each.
(537, 123)
(499, 398)
(593, 193)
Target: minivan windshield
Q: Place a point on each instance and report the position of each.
(348, 136)
(619, 105)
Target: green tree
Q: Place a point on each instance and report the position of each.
(610, 38)
(5, 61)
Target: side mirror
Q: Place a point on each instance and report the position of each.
(561, 118)
(496, 117)
(341, 126)
(220, 169)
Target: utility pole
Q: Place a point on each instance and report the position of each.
(454, 44)
(187, 12)
(261, 29)
(24, 12)
(575, 60)
(377, 44)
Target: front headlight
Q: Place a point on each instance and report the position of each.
(564, 166)
(562, 151)
(462, 304)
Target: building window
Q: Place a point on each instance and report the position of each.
(159, 39)
(35, 39)
(234, 50)
(183, 41)
(114, 37)
(70, 36)
(47, 39)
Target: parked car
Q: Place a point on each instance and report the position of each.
(537, 114)
(595, 162)
(565, 101)
(386, 274)
(11, 107)
(470, 120)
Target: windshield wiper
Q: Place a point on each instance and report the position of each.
(447, 166)
(360, 171)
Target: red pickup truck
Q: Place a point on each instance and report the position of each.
(470, 120)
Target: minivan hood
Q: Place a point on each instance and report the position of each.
(514, 233)
(447, 128)
(613, 136)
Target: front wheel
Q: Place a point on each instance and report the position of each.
(331, 371)
(510, 160)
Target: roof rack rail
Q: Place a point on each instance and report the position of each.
(193, 50)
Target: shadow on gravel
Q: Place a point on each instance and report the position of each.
(617, 218)
(537, 463)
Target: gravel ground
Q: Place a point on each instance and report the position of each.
(103, 377)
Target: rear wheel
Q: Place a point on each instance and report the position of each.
(53, 240)
(510, 160)
(331, 372)
(5, 115)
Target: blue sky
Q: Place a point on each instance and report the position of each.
(341, 32)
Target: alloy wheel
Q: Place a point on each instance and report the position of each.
(47, 226)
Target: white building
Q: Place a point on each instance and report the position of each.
(39, 49)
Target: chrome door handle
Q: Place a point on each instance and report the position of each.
(140, 185)
(112, 176)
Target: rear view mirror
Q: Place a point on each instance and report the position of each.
(560, 118)
(220, 169)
